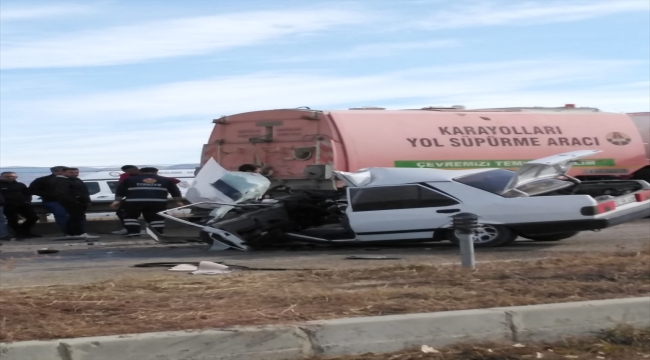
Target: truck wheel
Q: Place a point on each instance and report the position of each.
(552, 237)
(487, 236)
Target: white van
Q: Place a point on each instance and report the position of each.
(103, 184)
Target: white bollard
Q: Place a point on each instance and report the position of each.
(463, 225)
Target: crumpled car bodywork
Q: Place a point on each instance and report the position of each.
(539, 202)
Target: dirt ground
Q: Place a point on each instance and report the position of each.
(617, 344)
(146, 303)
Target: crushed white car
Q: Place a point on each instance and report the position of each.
(538, 202)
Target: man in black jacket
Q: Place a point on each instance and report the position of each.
(145, 194)
(18, 204)
(72, 194)
(44, 188)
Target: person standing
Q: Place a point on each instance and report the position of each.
(44, 187)
(18, 204)
(72, 194)
(4, 231)
(129, 171)
(146, 195)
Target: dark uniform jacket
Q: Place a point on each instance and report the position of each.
(15, 192)
(44, 187)
(125, 176)
(147, 188)
(70, 190)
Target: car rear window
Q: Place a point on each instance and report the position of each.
(494, 181)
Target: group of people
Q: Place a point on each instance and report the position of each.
(140, 192)
(62, 193)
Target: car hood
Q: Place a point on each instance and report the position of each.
(216, 184)
(355, 179)
(550, 167)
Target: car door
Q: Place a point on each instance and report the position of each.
(407, 211)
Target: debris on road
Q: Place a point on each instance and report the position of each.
(184, 268)
(204, 268)
(211, 268)
(429, 350)
(47, 251)
(235, 267)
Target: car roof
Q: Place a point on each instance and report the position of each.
(396, 176)
(115, 175)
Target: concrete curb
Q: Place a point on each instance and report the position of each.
(550, 322)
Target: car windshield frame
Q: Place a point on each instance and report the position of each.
(491, 189)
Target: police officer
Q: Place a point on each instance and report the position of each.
(145, 194)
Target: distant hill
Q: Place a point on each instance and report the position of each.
(27, 174)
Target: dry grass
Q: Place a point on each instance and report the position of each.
(617, 344)
(183, 301)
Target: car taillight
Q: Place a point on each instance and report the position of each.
(605, 207)
(598, 209)
(642, 196)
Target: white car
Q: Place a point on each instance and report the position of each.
(102, 184)
(539, 202)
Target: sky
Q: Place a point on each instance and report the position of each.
(99, 83)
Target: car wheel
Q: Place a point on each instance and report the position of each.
(552, 237)
(487, 236)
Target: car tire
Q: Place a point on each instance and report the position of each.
(552, 237)
(487, 236)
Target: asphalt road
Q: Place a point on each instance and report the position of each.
(112, 257)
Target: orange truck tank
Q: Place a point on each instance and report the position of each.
(301, 147)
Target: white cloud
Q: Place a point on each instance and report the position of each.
(25, 13)
(263, 90)
(373, 50)
(179, 145)
(169, 38)
(170, 123)
(490, 13)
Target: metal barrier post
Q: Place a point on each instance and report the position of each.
(463, 225)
